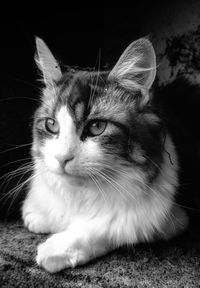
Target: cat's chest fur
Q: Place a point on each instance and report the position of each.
(131, 214)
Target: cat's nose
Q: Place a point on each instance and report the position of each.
(63, 160)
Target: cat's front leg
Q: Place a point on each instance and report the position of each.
(38, 206)
(71, 248)
(36, 222)
(34, 219)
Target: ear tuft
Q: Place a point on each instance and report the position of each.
(47, 63)
(136, 68)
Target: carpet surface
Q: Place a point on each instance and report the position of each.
(174, 264)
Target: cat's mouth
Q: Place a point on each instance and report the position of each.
(70, 174)
(64, 173)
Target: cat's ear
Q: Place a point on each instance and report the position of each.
(136, 68)
(47, 63)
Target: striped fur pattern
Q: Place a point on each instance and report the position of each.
(102, 174)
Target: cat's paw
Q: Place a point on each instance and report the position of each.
(55, 254)
(35, 222)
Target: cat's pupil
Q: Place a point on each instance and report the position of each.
(96, 128)
(51, 125)
(96, 125)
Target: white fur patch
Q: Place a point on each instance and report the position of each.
(68, 145)
(63, 147)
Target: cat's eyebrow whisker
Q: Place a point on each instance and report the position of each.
(92, 93)
(99, 62)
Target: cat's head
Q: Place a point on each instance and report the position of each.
(98, 124)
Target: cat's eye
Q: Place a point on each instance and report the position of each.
(51, 125)
(96, 127)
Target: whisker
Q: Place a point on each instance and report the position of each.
(19, 98)
(153, 162)
(27, 83)
(18, 170)
(8, 194)
(14, 192)
(113, 183)
(94, 179)
(16, 147)
(15, 173)
(162, 200)
(132, 178)
(39, 100)
(16, 161)
(92, 93)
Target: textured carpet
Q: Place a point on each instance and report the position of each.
(175, 264)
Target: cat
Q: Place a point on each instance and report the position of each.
(105, 166)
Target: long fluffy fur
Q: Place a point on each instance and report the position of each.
(116, 188)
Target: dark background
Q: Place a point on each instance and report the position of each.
(94, 36)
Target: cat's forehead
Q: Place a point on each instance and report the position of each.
(77, 85)
(78, 93)
(92, 95)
